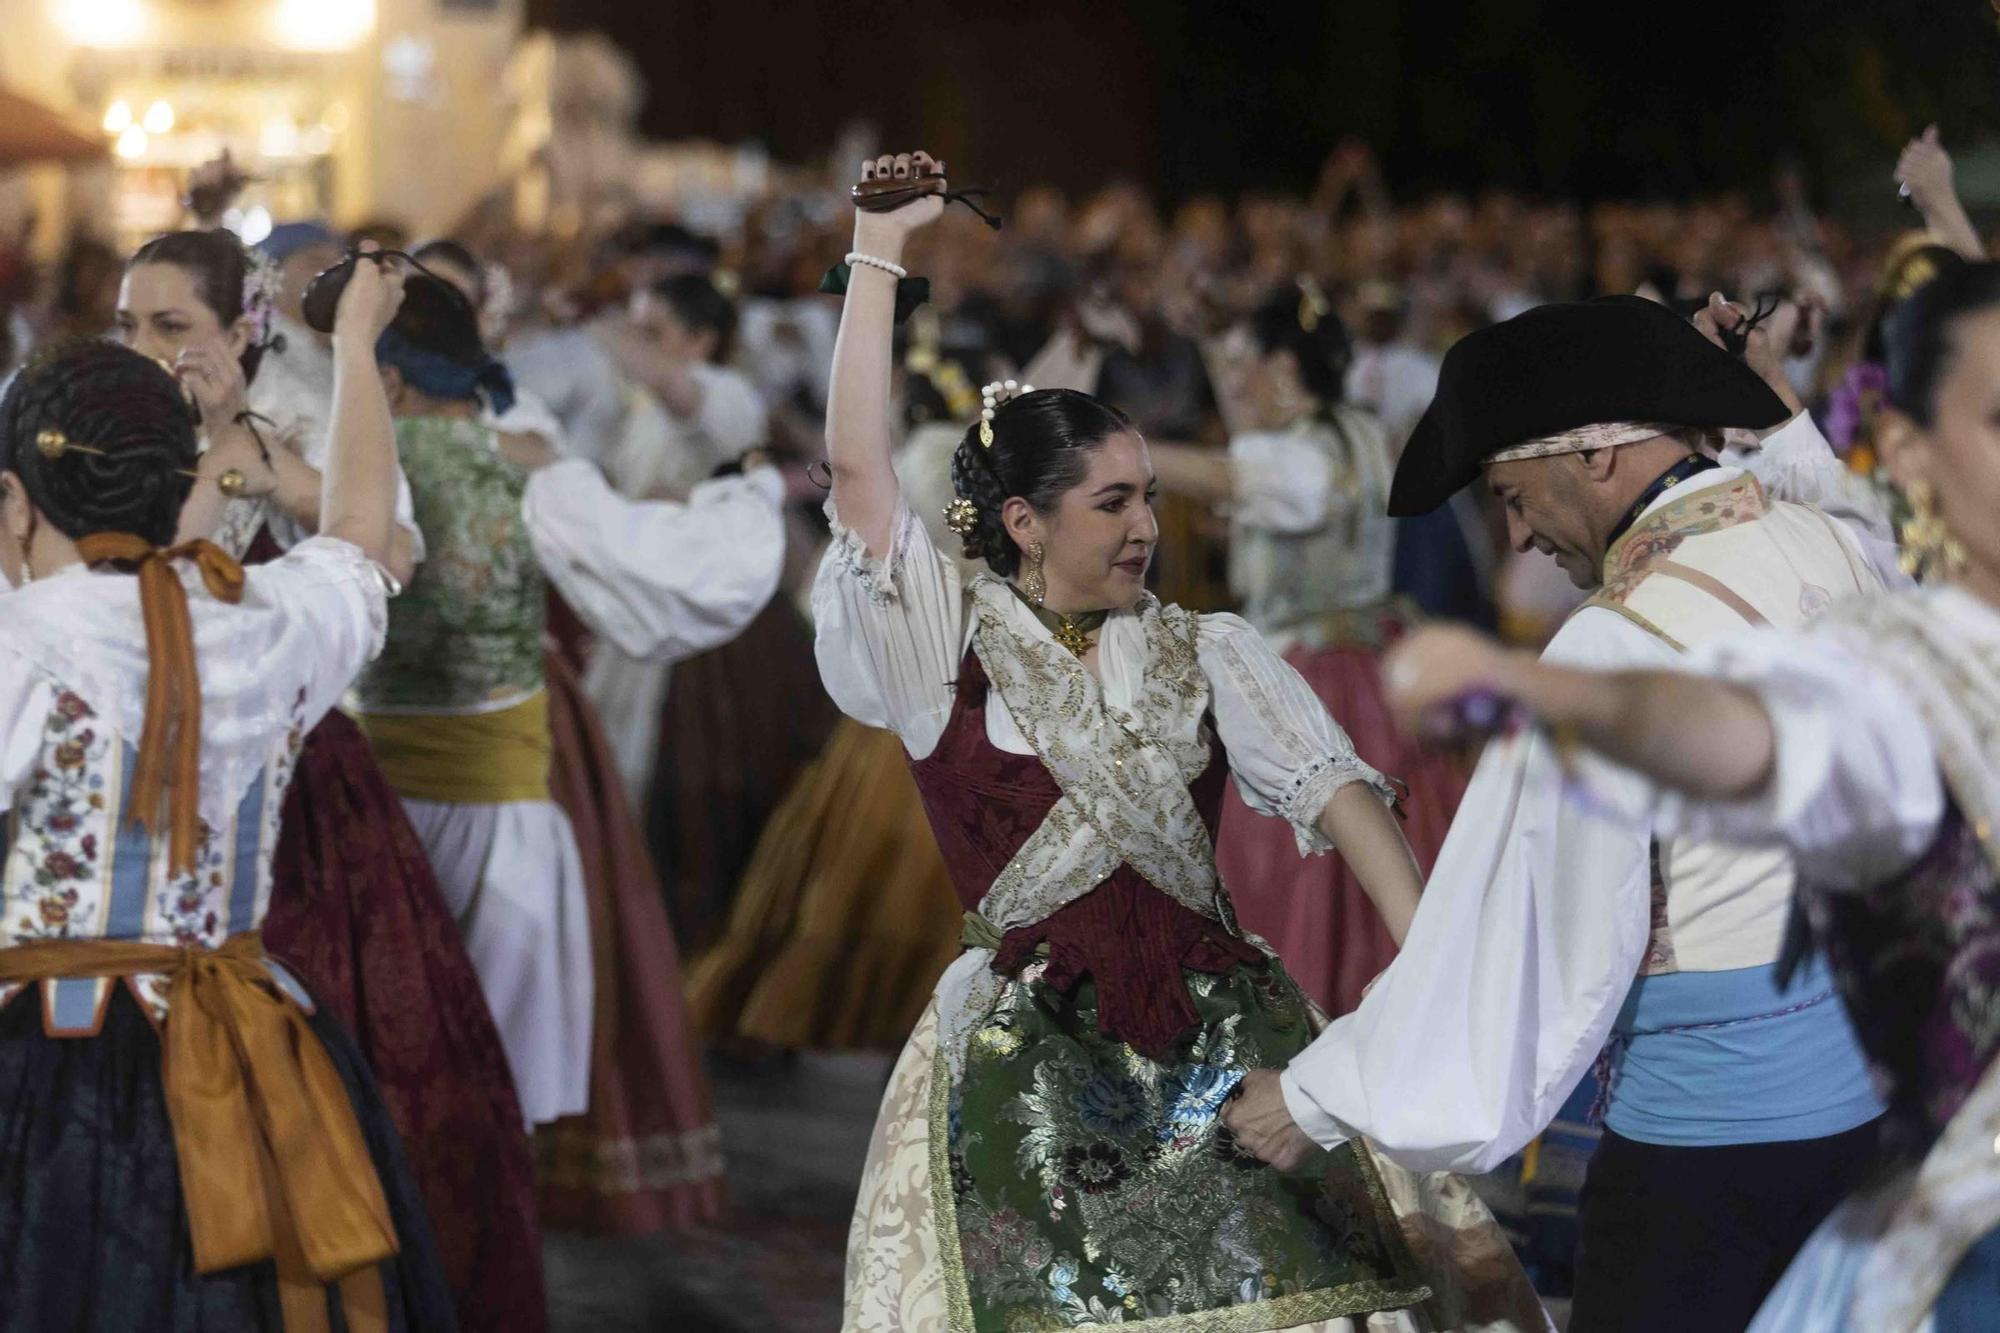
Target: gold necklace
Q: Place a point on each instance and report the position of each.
(1072, 632)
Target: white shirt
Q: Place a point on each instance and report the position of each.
(891, 634)
(660, 579)
(659, 452)
(1530, 932)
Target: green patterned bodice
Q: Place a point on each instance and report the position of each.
(467, 631)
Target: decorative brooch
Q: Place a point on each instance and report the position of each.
(962, 517)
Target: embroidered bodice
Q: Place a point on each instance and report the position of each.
(984, 804)
(466, 635)
(73, 676)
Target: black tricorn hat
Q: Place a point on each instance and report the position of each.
(1558, 367)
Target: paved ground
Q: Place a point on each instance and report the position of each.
(794, 1135)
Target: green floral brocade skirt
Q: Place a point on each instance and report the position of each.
(1088, 1184)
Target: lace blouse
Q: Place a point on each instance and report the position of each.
(891, 633)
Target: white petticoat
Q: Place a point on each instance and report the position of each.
(513, 877)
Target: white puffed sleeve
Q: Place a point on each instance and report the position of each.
(26, 696)
(1282, 482)
(1288, 754)
(1796, 463)
(888, 633)
(1855, 793)
(660, 579)
(733, 416)
(322, 611)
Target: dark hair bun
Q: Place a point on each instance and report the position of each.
(1041, 447)
(1298, 318)
(137, 431)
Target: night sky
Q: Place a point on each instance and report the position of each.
(1552, 96)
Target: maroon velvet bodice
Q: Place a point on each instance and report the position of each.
(1132, 939)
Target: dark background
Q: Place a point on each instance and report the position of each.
(1560, 97)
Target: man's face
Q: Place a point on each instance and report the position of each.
(1550, 505)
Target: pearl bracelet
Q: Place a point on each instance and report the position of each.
(897, 271)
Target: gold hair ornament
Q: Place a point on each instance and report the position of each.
(991, 397)
(1313, 305)
(962, 517)
(52, 444)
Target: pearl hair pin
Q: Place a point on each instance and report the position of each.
(992, 396)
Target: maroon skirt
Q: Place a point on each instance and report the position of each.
(357, 913)
(1313, 910)
(647, 1153)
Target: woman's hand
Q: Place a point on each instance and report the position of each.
(215, 378)
(883, 234)
(1428, 672)
(368, 304)
(1925, 167)
(1761, 352)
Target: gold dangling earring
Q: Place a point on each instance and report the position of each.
(27, 570)
(1032, 581)
(1929, 551)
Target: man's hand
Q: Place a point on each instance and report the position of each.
(1259, 1119)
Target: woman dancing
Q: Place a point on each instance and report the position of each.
(189, 1142)
(355, 909)
(1311, 551)
(1049, 1150)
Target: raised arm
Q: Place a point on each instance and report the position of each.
(1924, 170)
(358, 490)
(858, 441)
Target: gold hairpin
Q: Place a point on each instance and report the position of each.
(52, 444)
(962, 517)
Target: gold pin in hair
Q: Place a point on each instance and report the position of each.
(53, 444)
(961, 516)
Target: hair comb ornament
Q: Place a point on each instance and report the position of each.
(991, 398)
(1313, 305)
(52, 444)
(962, 517)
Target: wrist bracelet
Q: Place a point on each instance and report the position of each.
(894, 270)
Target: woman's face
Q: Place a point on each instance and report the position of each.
(676, 340)
(160, 312)
(1959, 455)
(1100, 535)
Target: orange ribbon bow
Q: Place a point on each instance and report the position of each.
(173, 686)
(272, 1160)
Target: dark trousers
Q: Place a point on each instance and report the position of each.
(1674, 1240)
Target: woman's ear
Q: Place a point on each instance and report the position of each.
(16, 511)
(237, 337)
(1021, 521)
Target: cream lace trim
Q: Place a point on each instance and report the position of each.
(876, 575)
(1306, 799)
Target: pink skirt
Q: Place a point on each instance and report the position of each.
(1312, 910)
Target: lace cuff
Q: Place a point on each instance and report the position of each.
(876, 574)
(1306, 799)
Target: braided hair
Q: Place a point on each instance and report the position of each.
(139, 434)
(220, 268)
(1041, 448)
